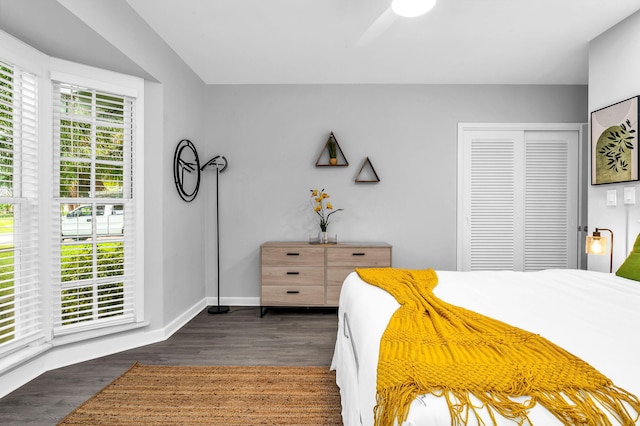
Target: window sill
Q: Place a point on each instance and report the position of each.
(21, 356)
(93, 334)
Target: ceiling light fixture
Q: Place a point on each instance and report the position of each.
(412, 8)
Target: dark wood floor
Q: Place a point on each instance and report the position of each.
(241, 337)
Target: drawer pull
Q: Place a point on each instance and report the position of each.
(293, 254)
(293, 273)
(292, 292)
(358, 254)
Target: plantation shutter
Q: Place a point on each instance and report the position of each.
(21, 318)
(93, 167)
(518, 200)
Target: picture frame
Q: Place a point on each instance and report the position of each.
(614, 143)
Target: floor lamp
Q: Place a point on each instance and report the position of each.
(220, 163)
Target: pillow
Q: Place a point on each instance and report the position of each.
(631, 266)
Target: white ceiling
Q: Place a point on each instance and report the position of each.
(362, 41)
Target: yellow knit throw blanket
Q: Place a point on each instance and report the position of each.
(432, 347)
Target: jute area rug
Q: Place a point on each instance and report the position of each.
(207, 395)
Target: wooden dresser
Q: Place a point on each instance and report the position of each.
(303, 274)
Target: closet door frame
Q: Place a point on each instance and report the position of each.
(579, 128)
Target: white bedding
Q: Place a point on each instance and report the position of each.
(595, 316)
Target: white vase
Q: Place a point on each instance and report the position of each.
(323, 237)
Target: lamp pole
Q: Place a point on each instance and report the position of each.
(216, 162)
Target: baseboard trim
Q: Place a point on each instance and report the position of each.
(180, 322)
(46, 357)
(233, 301)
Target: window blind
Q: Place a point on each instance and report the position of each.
(93, 167)
(21, 318)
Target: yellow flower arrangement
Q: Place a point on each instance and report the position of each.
(319, 206)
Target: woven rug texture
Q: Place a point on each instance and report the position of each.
(208, 395)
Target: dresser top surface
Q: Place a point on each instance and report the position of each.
(298, 244)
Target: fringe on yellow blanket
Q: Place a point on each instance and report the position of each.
(479, 363)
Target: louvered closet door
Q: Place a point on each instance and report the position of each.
(551, 200)
(518, 200)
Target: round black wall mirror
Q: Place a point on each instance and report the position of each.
(186, 170)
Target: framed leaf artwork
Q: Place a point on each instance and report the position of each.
(614, 143)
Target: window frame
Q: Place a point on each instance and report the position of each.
(46, 69)
(110, 82)
(22, 300)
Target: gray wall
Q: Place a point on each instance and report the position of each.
(175, 100)
(273, 134)
(174, 281)
(608, 84)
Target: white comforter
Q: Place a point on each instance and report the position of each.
(595, 316)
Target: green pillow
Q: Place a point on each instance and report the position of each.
(631, 266)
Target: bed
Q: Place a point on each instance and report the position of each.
(595, 316)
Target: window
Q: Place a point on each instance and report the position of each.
(93, 190)
(21, 299)
(71, 191)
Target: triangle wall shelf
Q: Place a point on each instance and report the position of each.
(367, 173)
(324, 159)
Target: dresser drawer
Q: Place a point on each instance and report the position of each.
(292, 275)
(337, 274)
(292, 256)
(333, 295)
(359, 256)
(292, 295)
(296, 273)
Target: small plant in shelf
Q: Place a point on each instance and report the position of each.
(332, 147)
